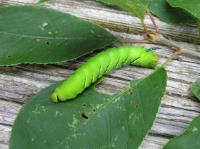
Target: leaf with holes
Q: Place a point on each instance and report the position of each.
(136, 7)
(189, 139)
(33, 34)
(196, 89)
(91, 121)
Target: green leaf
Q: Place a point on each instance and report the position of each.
(33, 34)
(92, 120)
(136, 7)
(191, 6)
(196, 89)
(189, 139)
(166, 13)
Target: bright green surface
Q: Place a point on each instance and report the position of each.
(32, 34)
(100, 64)
(196, 89)
(189, 139)
(92, 120)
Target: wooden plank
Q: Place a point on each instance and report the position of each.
(3, 146)
(175, 114)
(19, 83)
(4, 135)
(178, 106)
(153, 142)
(114, 19)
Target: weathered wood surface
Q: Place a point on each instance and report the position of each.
(178, 106)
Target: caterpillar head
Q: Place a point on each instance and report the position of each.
(57, 97)
(60, 95)
(54, 97)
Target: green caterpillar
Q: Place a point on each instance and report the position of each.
(101, 64)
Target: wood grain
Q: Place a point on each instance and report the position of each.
(178, 106)
(116, 20)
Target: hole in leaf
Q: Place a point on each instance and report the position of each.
(47, 43)
(84, 104)
(136, 105)
(84, 116)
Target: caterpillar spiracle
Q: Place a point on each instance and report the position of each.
(101, 64)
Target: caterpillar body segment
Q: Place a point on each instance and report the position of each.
(101, 64)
